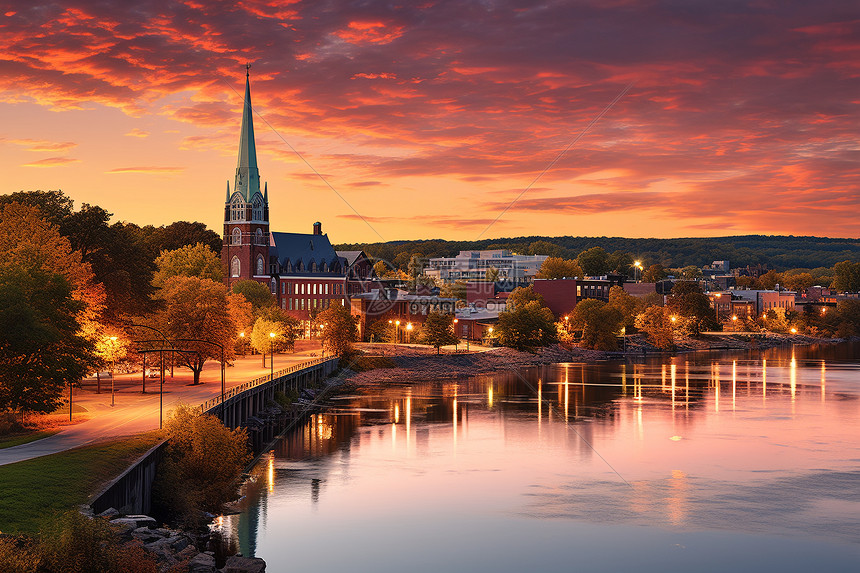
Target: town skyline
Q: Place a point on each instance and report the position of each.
(426, 124)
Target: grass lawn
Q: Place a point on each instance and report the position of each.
(18, 439)
(34, 491)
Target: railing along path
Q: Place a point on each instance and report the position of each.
(236, 390)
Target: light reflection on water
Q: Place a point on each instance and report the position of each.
(745, 461)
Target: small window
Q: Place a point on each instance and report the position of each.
(259, 236)
(261, 265)
(236, 237)
(235, 267)
(326, 288)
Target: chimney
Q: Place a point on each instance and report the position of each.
(317, 228)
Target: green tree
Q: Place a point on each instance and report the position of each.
(41, 348)
(798, 282)
(770, 279)
(544, 248)
(688, 301)
(594, 261)
(657, 326)
(438, 330)
(620, 262)
(256, 293)
(846, 276)
(527, 326)
(654, 274)
(202, 465)
(197, 308)
(340, 329)
(380, 269)
(600, 324)
(558, 268)
(189, 261)
(691, 272)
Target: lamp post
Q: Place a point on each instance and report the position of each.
(455, 334)
(734, 322)
(242, 336)
(637, 265)
(272, 355)
(112, 367)
(717, 297)
(408, 332)
(624, 338)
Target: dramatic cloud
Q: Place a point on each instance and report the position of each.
(741, 115)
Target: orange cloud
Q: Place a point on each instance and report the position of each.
(51, 162)
(42, 145)
(370, 33)
(146, 170)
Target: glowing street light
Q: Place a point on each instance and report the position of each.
(638, 266)
(793, 330)
(408, 332)
(272, 355)
(112, 367)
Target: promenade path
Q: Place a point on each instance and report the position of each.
(135, 412)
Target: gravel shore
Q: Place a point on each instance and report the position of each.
(422, 363)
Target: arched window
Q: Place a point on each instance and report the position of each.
(274, 286)
(236, 236)
(261, 265)
(237, 210)
(313, 266)
(259, 236)
(257, 211)
(235, 267)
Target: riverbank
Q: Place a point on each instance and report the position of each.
(416, 362)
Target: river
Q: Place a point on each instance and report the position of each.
(701, 462)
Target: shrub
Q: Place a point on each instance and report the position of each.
(201, 467)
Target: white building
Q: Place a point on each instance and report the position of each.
(473, 265)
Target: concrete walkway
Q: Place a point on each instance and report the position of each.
(135, 412)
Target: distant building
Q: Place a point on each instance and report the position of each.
(396, 305)
(562, 295)
(473, 265)
(766, 300)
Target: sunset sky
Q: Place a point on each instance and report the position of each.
(430, 118)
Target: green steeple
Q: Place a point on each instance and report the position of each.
(247, 175)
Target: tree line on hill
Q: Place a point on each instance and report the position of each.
(779, 252)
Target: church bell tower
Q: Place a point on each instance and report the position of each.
(245, 249)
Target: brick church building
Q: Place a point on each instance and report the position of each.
(304, 272)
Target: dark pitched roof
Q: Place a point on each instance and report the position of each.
(350, 256)
(304, 247)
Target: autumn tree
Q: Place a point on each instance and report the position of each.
(691, 272)
(521, 296)
(527, 325)
(438, 330)
(256, 293)
(628, 305)
(197, 308)
(770, 279)
(241, 312)
(196, 260)
(456, 289)
(688, 301)
(491, 274)
(202, 464)
(656, 323)
(558, 268)
(600, 324)
(340, 329)
(544, 248)
(848, 313)
(620, 262)
(42, 349)
(380, 269)
(272, 320)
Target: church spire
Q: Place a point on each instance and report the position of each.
(247, 174)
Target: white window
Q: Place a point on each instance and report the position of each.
(326, 288)
(259, 236)
(236, 236)
(235, 267)
(261, 265)
(257, 209)
(237, 210)
(315, 289)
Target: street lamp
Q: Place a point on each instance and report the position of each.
(408, 332)
(793, 330)
(272, 355)
(242, 336)
(638, 266)
(112, 367)
(673, 318)
(456, 320)
(734, 322)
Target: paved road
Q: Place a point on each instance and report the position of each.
(135, 412)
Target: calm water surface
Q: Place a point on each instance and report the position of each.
(745, 462)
